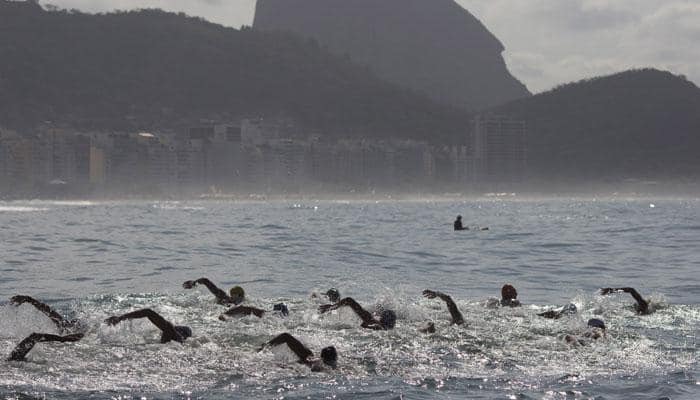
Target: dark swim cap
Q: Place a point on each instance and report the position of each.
(333, 295)
(330, 356)
(509, 292)
(387, 319)
(184, 331)
(281, 307)
(596, 323)
(237, 292)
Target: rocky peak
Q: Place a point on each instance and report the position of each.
(432, 46)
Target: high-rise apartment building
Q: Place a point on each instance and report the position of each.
(500, 152)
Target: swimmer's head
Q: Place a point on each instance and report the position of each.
(596, 329)
(508, 292)
(184, 331)
(330, 356)
(333, 295)
(459, 217)
(596, 323)
(387, 319)
(569, 309)
(237, 293)
(282, 308)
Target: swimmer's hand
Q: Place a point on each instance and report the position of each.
(605, 291)
(430, 294)
(17, 300)
(327, 307)
(113, 320)
(189, 284)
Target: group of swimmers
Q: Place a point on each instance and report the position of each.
(72, 330)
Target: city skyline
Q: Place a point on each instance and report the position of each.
(253, 156)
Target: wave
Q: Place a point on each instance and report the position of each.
(176, 206)
(496, 346)
(274, 227)
(22, 209)
(499, 353)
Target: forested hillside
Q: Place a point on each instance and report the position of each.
(147, 69)
(636, 123)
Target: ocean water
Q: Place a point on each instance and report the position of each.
(91, 260)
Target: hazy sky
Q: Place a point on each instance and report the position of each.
(547, 41)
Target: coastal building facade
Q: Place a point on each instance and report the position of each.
(256, 156)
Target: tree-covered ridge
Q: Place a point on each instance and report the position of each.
(635, 123)
(150, 68)
(435, 47)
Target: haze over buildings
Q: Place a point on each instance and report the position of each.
(157, 103)
(254, 157)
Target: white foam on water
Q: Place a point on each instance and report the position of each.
(503, 345)
(557, 252)
(176, 206)
(21, 209)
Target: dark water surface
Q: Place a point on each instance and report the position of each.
(92, 260)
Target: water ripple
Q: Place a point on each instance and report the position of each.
(135, 255)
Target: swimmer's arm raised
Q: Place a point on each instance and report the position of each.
(26, 345)
(366, 316)
(164, 325)
(642, 305)
(457, 317)
(220, 295)
(242, 310)
(301, 351)
(44, 308)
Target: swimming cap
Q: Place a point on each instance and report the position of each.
(184, 331)
(596, 323)
(387, 319)
(330, 356)
(333, 295)
(569, 309)
(509, 292)
(237, 291)
(281, 307)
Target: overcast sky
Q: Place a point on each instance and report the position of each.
(547, 42)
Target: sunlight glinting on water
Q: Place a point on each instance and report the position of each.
(133, 255)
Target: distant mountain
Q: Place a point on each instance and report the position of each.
(152, 69)
(635, 124)
(433, 46)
